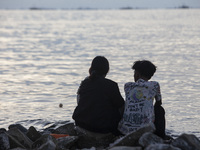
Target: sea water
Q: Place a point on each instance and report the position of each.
(44, 55)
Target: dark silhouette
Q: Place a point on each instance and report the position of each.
(99, 100)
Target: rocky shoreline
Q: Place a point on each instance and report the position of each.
(68, 136)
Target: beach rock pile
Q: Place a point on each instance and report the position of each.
(18, 137)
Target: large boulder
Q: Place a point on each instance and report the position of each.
(51, 126)
(45, 142)
(19, 137)
(18, 126)
(131, 139)
(4, 141)
(66, 129)
(18, 148)
(14, 143)
(66, 142)
(89, 139)
(161, 147)
(187, 142)
(33, 134)
(149, 138)
(2, 130)
(125, 148)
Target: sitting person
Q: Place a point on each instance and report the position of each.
(139, 108)
(99, 100)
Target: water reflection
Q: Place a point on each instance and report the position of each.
(46, 54)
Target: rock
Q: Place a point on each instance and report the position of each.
(142, 139)
(18, 149)
(131, 139)
(14, 143)
(161, 147)
(187, 142)
(4, 141)
(66, 142)
(125, 148)
(18, 126)
(92, 148)
(33, 134)
(20, 137)
(50, 127)
(66, 129)
(49, 145)
(168, 139)
(45, 142)
(89, 139)
(2, 130)
(149, 138)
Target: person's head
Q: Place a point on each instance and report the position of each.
(99, 67)
(143, 69)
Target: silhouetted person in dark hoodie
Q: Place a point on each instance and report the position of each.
(99, 100)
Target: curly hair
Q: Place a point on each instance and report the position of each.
(145, 68)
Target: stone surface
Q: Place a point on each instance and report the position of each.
(66, 142)
(2, 130)
(66, 129)
(33, 134)
(18, 126)
(131, 139)
(20, 137)
(89, 139)
(49, 145)
(142, 139)
(187, 142)
(14, 143)
(18, 149)
(50, 127)
(149, 138)
(4, 142)
(161, 147)
(125, 148)
(45, 142)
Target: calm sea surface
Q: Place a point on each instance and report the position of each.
(44, 55)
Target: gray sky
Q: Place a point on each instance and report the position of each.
(105, 4)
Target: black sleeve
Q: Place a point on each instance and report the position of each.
(117, 99)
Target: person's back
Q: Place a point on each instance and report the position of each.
(99, 101)
(139, 109)
(98, 109)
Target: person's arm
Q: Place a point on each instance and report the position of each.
(118, 100)
(78, 91)
(77, 98)
(158, 96)
(78, 94)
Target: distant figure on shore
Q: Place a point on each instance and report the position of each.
(139, 108)
(99, 100)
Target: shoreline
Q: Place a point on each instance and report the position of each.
(41, 125)
(69, 136)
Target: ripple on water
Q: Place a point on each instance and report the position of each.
(46, 54)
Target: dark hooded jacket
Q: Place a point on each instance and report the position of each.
(98, 105)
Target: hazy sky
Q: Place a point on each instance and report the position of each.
(97, 3)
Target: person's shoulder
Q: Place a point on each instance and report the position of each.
(110, 81)
(85, 80)
(128, 84)
(154, 82)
